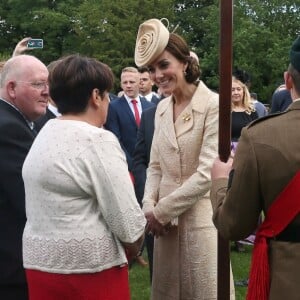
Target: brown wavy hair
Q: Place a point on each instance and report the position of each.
(178, 47)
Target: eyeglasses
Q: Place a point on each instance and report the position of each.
(39, 85)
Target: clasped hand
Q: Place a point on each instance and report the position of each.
(154, 227)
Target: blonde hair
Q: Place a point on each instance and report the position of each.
(130, 70)
(247, 101)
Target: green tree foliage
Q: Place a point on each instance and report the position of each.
(106, 30)
(37, 19)
(262, 34)
(102, 29)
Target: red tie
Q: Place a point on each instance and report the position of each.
(136, 112)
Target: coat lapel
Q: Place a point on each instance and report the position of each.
(295, 105)
(186, 119)
(144, 103)
(167, 126)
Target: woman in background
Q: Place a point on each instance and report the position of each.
(82, 215)
(242, 113)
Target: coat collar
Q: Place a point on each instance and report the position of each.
(202, 91)
(295, 104)
(186, 119)
(19, 113)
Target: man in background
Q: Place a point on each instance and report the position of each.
(23, 99)
(146, 86)
(124, 114)
(259, 106)
(281, 99)
(124, 117)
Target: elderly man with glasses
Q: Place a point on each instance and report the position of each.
(24, 95)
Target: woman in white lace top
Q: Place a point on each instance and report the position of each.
(82, 216)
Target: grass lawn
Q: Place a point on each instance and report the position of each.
(140, 282)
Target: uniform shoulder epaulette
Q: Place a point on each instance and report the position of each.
(261, 119)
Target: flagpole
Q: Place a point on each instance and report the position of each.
(225, 71)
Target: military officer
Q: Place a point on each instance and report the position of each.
(266, 160)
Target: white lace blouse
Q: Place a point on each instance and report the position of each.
(80, 202)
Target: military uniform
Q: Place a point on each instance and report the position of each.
(267, 158)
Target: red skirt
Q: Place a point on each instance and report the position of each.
(111, 284)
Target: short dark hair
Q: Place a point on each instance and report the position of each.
(178, 47)
(295, 74)
(74, 78)
(143, 69)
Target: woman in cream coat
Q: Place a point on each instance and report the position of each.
(176, 201)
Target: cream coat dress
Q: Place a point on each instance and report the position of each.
(177, 190)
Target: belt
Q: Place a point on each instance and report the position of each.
(290, 234)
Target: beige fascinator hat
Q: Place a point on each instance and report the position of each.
(152, 39)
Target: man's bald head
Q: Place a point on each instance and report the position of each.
(24, 83)
(18, 66)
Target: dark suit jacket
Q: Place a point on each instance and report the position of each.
(141, 155)
(15, 141)
(141, 158)
(39, 123)
(281, 101)
(155, 99)
(113, 97)
(121, 121)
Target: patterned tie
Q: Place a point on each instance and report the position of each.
(136, 112)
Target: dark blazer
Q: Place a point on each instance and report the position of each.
(155, 99)
(16, 139)
(121, 121)
(39, 123)
(141, 155)
(141, 158)
(280, 101)
(113, 97)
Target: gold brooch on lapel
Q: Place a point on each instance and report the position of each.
(186, 117)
